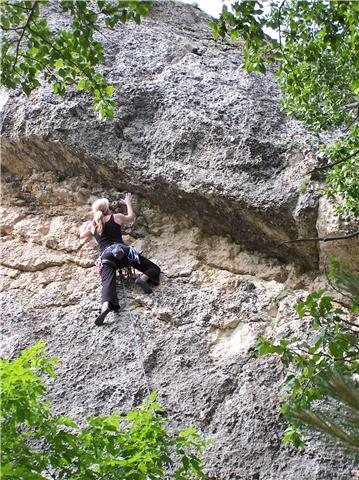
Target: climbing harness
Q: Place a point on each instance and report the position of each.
(118, 250)
(134, 324)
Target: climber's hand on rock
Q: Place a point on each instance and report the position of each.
(127, 200)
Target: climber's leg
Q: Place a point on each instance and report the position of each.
(108, 279)
(105, 310)
(150, 272)
(149, 269)
(141, 282)
(108, 294)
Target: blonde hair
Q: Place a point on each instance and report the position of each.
(99, 208)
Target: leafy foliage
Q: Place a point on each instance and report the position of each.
(316, 58)
(343, 177)
(323, 366)
(340, 423)
(342, 279)
(67, 56)
(37, 444)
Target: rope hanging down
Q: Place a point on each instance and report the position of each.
(134, 323)
(134, 318)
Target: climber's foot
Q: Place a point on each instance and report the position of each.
(100, 319)
(143, 284)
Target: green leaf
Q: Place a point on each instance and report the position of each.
(111, 446)
(291, 435)
(69, 52)
(110, 89)
(59, 63)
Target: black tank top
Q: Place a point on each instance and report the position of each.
(111, 234)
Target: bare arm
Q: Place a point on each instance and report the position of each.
(86, 230)
(130, 216)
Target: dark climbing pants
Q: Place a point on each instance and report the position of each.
(108, 275)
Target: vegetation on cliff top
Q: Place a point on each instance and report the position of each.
(66, 56)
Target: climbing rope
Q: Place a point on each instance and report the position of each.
(134, 318)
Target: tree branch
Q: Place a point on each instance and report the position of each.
(334, 287)
(11, 29)
(349, 323)
(47, 470)
(16, 5)
(43, 65)
(322, 239)
(353, 122)
(334, 163)
(303, 350)
(23, 33)
(331, 357)
(279, 26)
(352, 105)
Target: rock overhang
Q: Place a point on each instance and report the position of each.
(193, 133)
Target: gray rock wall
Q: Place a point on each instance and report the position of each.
(216, 169)
(192, 132)
(197, 329)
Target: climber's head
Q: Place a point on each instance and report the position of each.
(100, 205)
(100, 208)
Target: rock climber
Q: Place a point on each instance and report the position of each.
(114, 254)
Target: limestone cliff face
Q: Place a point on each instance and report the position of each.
(216, 170)
(192, 131)
(196, 329)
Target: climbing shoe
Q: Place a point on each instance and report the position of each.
(99, 320)
(144, 285)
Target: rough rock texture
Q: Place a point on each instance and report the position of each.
(217, 171)
(196, 330)
(192, 130)
(328, 225)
